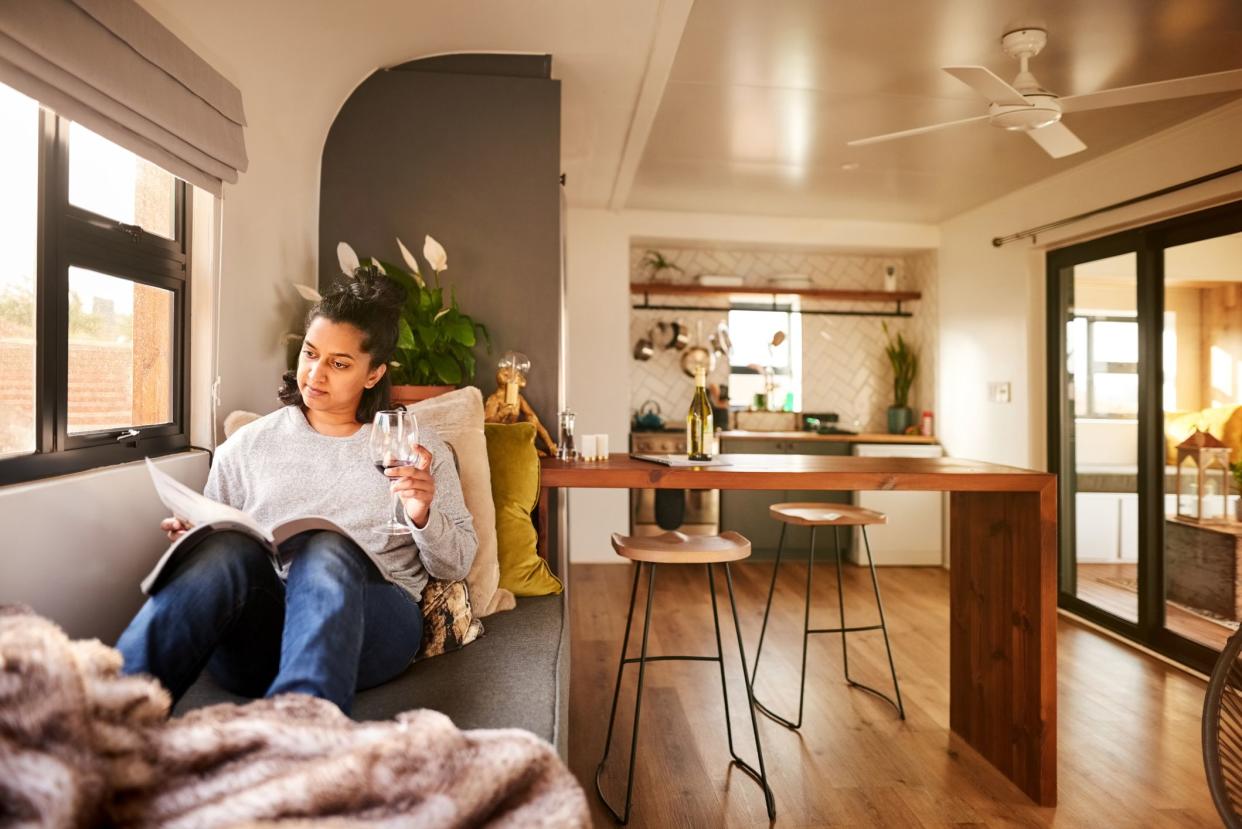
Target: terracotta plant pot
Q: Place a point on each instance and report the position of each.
(406, 395)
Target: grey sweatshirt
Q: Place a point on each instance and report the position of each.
(279, 468)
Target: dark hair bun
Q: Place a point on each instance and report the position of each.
(371, 287)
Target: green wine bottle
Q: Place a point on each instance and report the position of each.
(699, 430)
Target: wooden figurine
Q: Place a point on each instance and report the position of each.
(507, 405)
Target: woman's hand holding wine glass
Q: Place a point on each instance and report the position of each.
(415, 486)
(394, 449)
(396, 453)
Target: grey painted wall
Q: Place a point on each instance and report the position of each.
(473, 160)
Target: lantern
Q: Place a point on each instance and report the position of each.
(1203, 479)
(514, 366)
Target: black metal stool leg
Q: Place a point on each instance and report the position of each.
(806, 632)
(625, 644)
(760, 776)
(780, 548)
(843, 630)
(845, 651)
(875, 586)
(624, 818)
(724, 686)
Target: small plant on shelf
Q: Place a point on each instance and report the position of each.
(658, 267)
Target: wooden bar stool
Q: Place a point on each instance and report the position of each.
(815, 515)
(678, 548)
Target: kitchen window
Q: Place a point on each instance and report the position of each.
(751, 331)
(93, 299)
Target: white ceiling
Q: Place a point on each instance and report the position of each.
(296, 62)
(737, 106)
(762, 97)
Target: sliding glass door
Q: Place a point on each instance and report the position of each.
(1145, 379)
(1098, 414)
(1202, 345)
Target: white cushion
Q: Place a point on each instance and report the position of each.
(458, 418)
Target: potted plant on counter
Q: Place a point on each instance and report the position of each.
(435, 340)
(905, 363)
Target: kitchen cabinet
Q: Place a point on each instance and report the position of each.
(746, 511)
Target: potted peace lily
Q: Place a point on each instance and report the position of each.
(434, 338)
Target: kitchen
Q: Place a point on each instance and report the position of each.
(800, 369)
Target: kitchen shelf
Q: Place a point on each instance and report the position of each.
(649, 289)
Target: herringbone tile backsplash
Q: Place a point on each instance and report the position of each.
(844, 372)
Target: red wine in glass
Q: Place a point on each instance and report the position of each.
(393, 442)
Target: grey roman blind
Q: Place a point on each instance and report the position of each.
(112, 67)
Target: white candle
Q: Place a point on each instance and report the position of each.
(601, 447)
(588, 447)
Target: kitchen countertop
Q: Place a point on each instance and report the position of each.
(751, 434)
(864, 437)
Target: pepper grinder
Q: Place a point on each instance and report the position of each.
(565, 438)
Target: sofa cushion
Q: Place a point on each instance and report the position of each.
(1221, 422)
(458, 418)
(515, 676)
(515, 492)
(449, 621)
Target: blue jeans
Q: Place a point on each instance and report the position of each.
(335, 627)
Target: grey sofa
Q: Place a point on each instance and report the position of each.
(514, 676)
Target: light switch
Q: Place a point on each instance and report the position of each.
(999, 392)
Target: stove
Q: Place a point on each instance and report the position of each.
(691, 511)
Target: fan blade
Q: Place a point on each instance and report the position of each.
(988, 84)
(1228, 81)
(1057, 140)
(875, 139)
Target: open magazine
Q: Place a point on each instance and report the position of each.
(204, 515)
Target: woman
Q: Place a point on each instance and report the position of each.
(329, 622)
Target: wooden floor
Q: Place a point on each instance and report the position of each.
(1128, 735)
(1100, 584)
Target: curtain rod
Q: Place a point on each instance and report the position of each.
(997, 241)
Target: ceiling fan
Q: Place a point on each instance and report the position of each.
(1025, 106)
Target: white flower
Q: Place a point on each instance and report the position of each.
(411, 263)
(439, 314)
(308, 293)
(347, 258)
(375, 263)
(434, 253)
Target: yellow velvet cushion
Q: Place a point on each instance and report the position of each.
(1221, 422)
(514, 464)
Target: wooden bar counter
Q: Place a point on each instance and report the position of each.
(1003, 556)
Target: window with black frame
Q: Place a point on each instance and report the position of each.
(93, 299)
(1103, 362)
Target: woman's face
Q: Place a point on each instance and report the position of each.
(333, 370)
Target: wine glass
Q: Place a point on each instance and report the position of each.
(394, 442)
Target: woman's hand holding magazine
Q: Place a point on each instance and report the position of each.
(195, 514)
(174, 527)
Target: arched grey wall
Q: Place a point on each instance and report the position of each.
(467, 149)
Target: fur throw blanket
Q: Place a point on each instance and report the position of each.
(82, 745)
